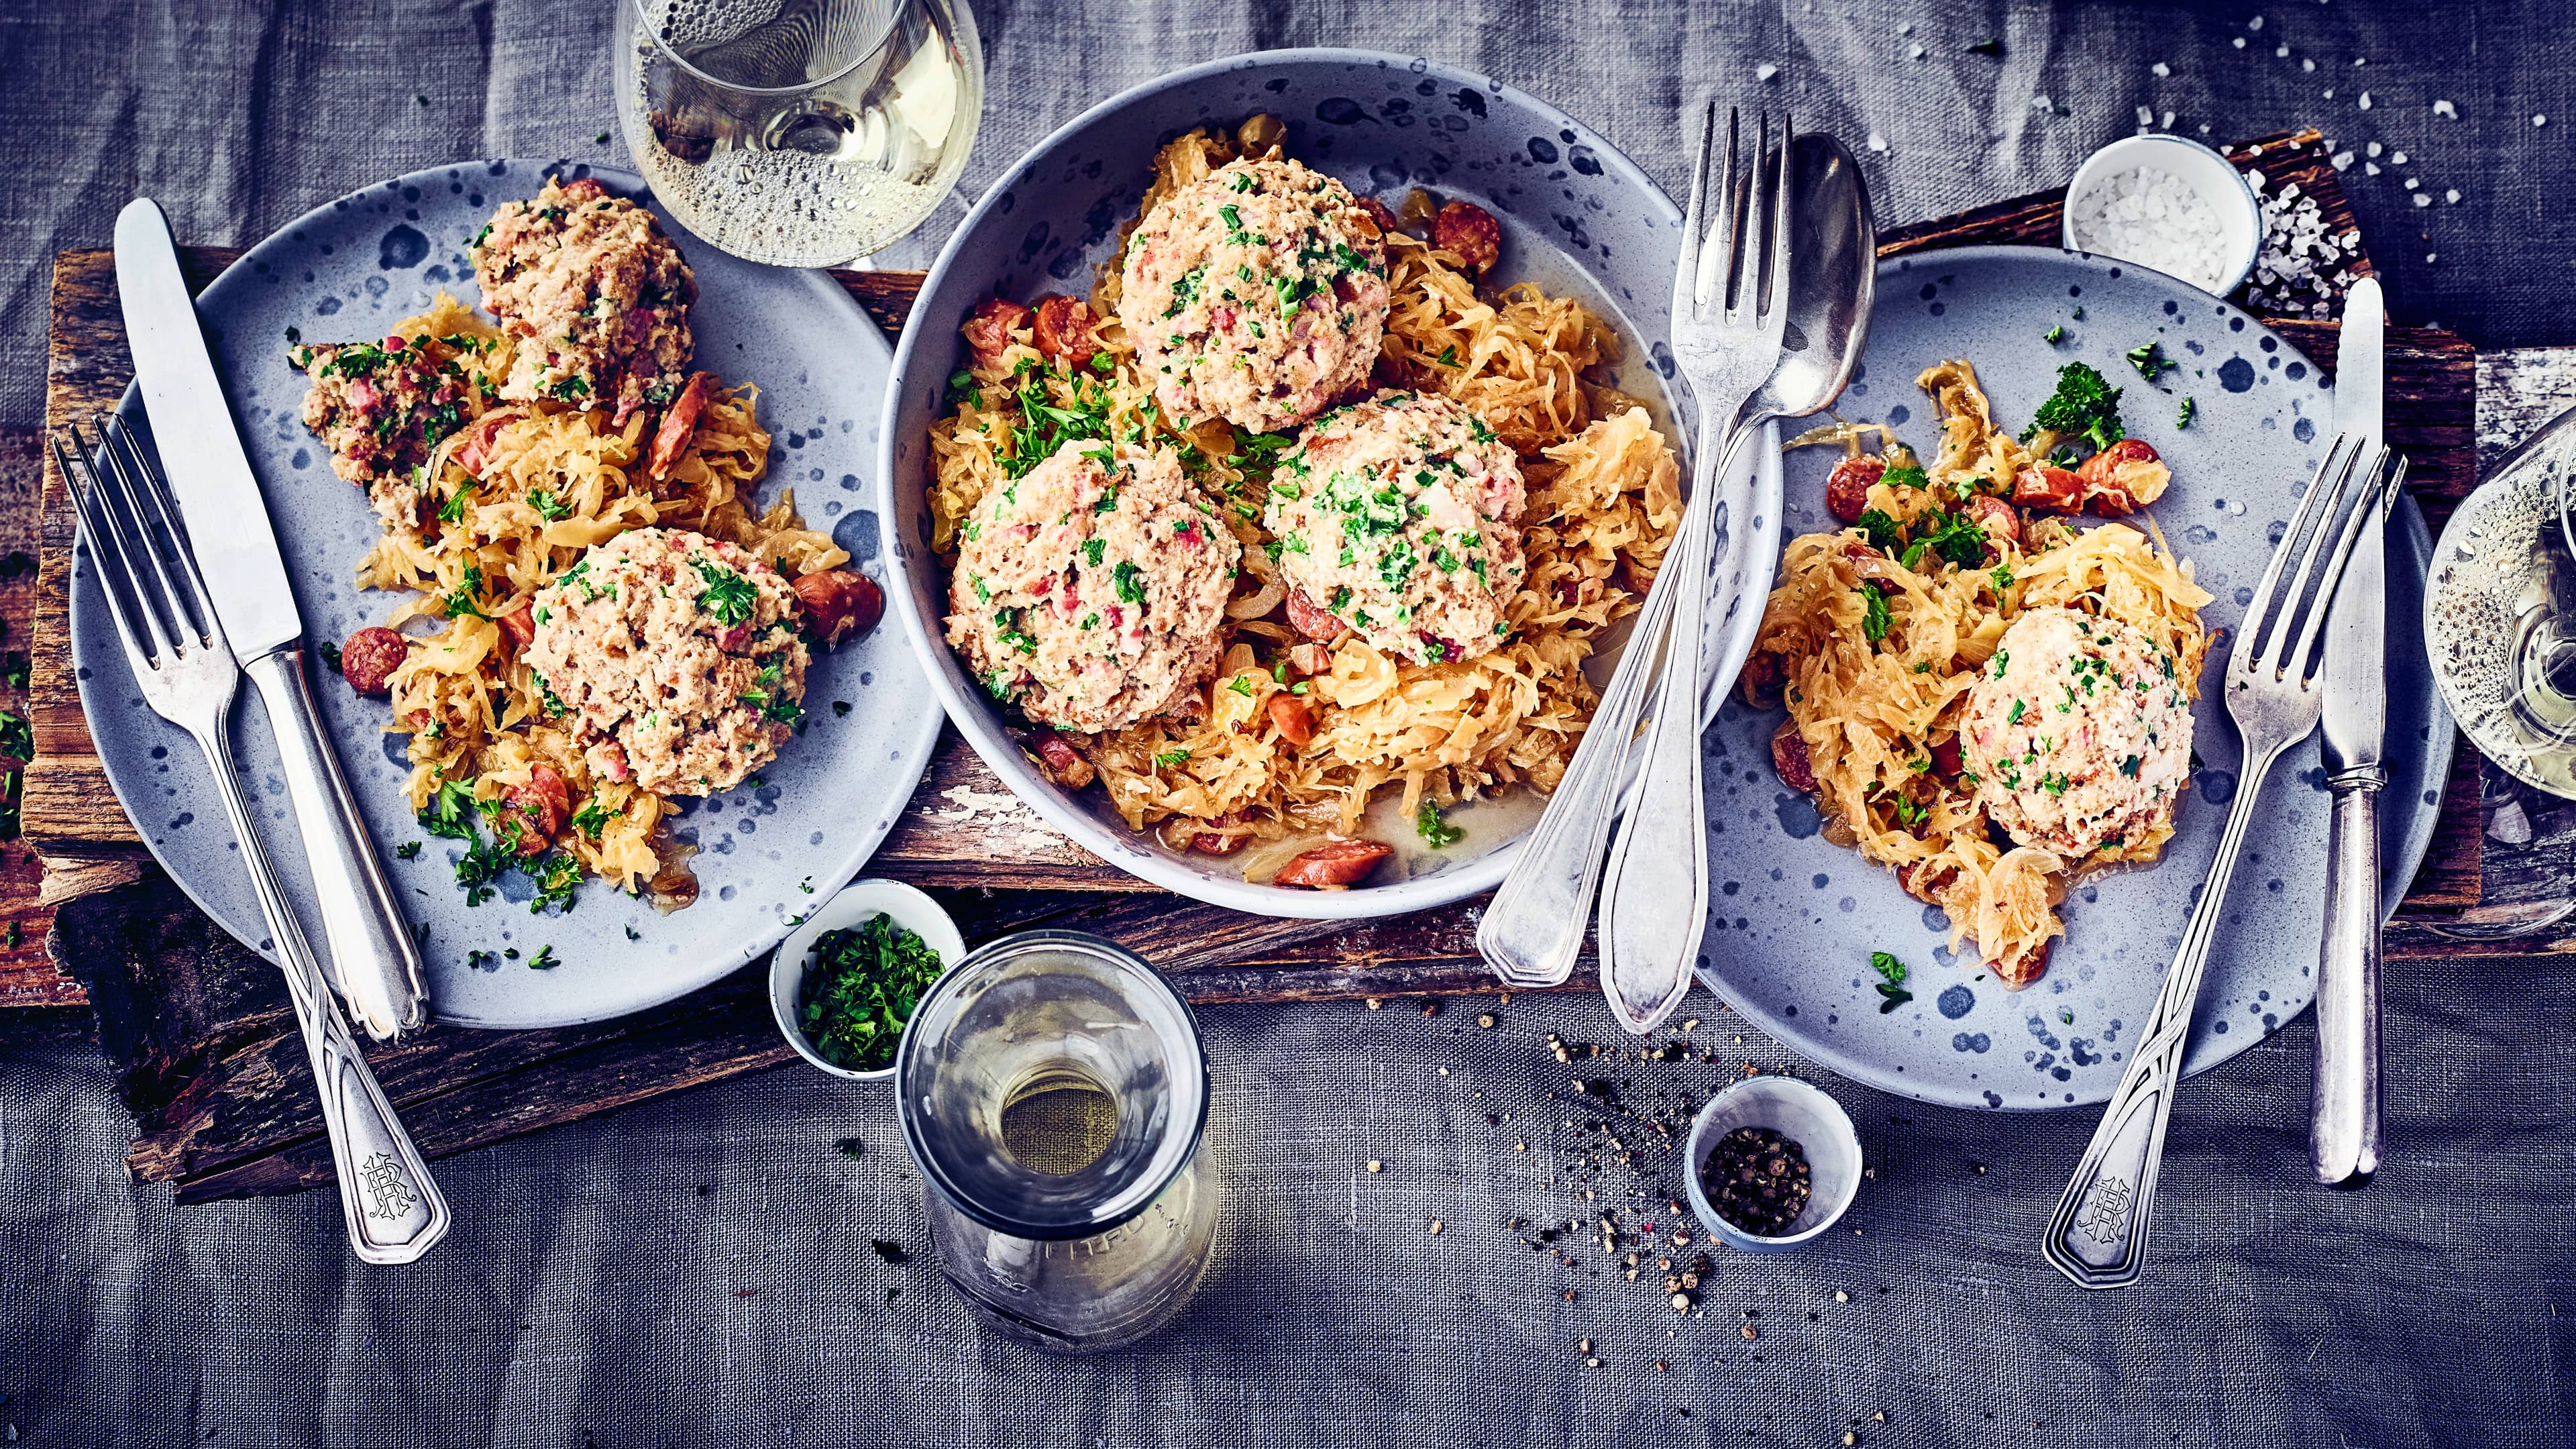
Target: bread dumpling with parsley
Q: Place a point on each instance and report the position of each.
(1256, 294)
(1090, 592)
(673, 659)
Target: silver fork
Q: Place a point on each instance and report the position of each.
(2098, 1235)
(1727, 333)
(1727, 326)
(186, 671)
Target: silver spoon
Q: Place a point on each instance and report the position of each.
(1654, 890)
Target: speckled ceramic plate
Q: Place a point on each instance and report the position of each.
(1796, 917)
(1578, 219)
(350, 269)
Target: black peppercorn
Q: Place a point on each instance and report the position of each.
(1758, 1180)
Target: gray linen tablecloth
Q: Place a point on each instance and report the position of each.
(697, 1270)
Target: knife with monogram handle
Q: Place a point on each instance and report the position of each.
(2343, 1122)
(376, 964)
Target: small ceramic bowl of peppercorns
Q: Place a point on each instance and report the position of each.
(1774, 1161)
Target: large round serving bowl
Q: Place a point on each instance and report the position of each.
(1578, 218)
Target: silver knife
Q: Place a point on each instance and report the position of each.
(376, 963)
(2343, 1121)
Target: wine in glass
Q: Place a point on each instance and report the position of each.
(799, 132)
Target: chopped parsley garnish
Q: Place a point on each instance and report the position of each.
(408, 850)
(2084, 405)
(2056, 334)
(1129, 581)
(1874, 618)
(2150, 360)
(467, 597)
(2184, 414)
(1885, 533)
(729, 596)
(1891, 986)
(1168, 758)
(860, 989)
(1906, 475)
(548, 506)
(544, 960)
(1436, 832)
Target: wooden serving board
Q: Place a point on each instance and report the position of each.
(200, 1027)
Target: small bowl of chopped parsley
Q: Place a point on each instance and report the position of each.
(844, 985)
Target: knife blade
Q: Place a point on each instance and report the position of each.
(2343, 1114)
(2356, 689)
(374, 960)
(218, 493)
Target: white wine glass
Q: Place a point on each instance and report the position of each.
(801, 133)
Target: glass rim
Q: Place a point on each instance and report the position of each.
(652, 37)
(1144, 1193)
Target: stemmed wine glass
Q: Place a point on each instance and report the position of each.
(799, 132)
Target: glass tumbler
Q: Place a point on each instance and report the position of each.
(802, 133)
(1053, 1090)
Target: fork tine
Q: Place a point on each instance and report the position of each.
(2365, 508)
(1694, 221)
(2299, 599)
(1717, 265)
(2267, 594)
(1782, 208)
(107, 550)
(125, 448)
(184, 629)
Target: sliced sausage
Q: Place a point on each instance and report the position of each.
(2029, 967)
(1789, 758)
(2122, 476)
(680, 423)
(1295, 720)
(1945, 757)
(1996, 517)
(477, 447)
(370, 657)
(518, 628)
(1066, 330)
(1925, 880)
(2045, 485)
(1333, 866)
(839, 604)
(1059, 761)
(1312, 619)
(989, 327)
(541, 806)
(1378, 213)
(1470, 233)
(586, 189)
(1847, 491)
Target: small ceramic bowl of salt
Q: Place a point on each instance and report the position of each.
(2168, 204)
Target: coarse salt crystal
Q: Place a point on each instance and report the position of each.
(2365, 100)
(2372, 148)
(2281, 52)
(2422, 200)
(2154, 218)
(2307, 65)
(2160, 70)
(2445, 108)
(2254, 24)
(2146, 118)
(1765, 72)
(1916, 53)
(2431, 257)
(2370, 167)
(2342, 161)
(1877, 142)
(2411, 183)
(2397, 158)
(2238, 42)
(2540, 120)
(2452, 196)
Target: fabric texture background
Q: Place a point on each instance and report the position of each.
(697, 1270)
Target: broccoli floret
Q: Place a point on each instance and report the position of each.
(2084, 405)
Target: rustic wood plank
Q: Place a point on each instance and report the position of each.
(216, 1076)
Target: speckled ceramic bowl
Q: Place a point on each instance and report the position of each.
(1577, 217)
